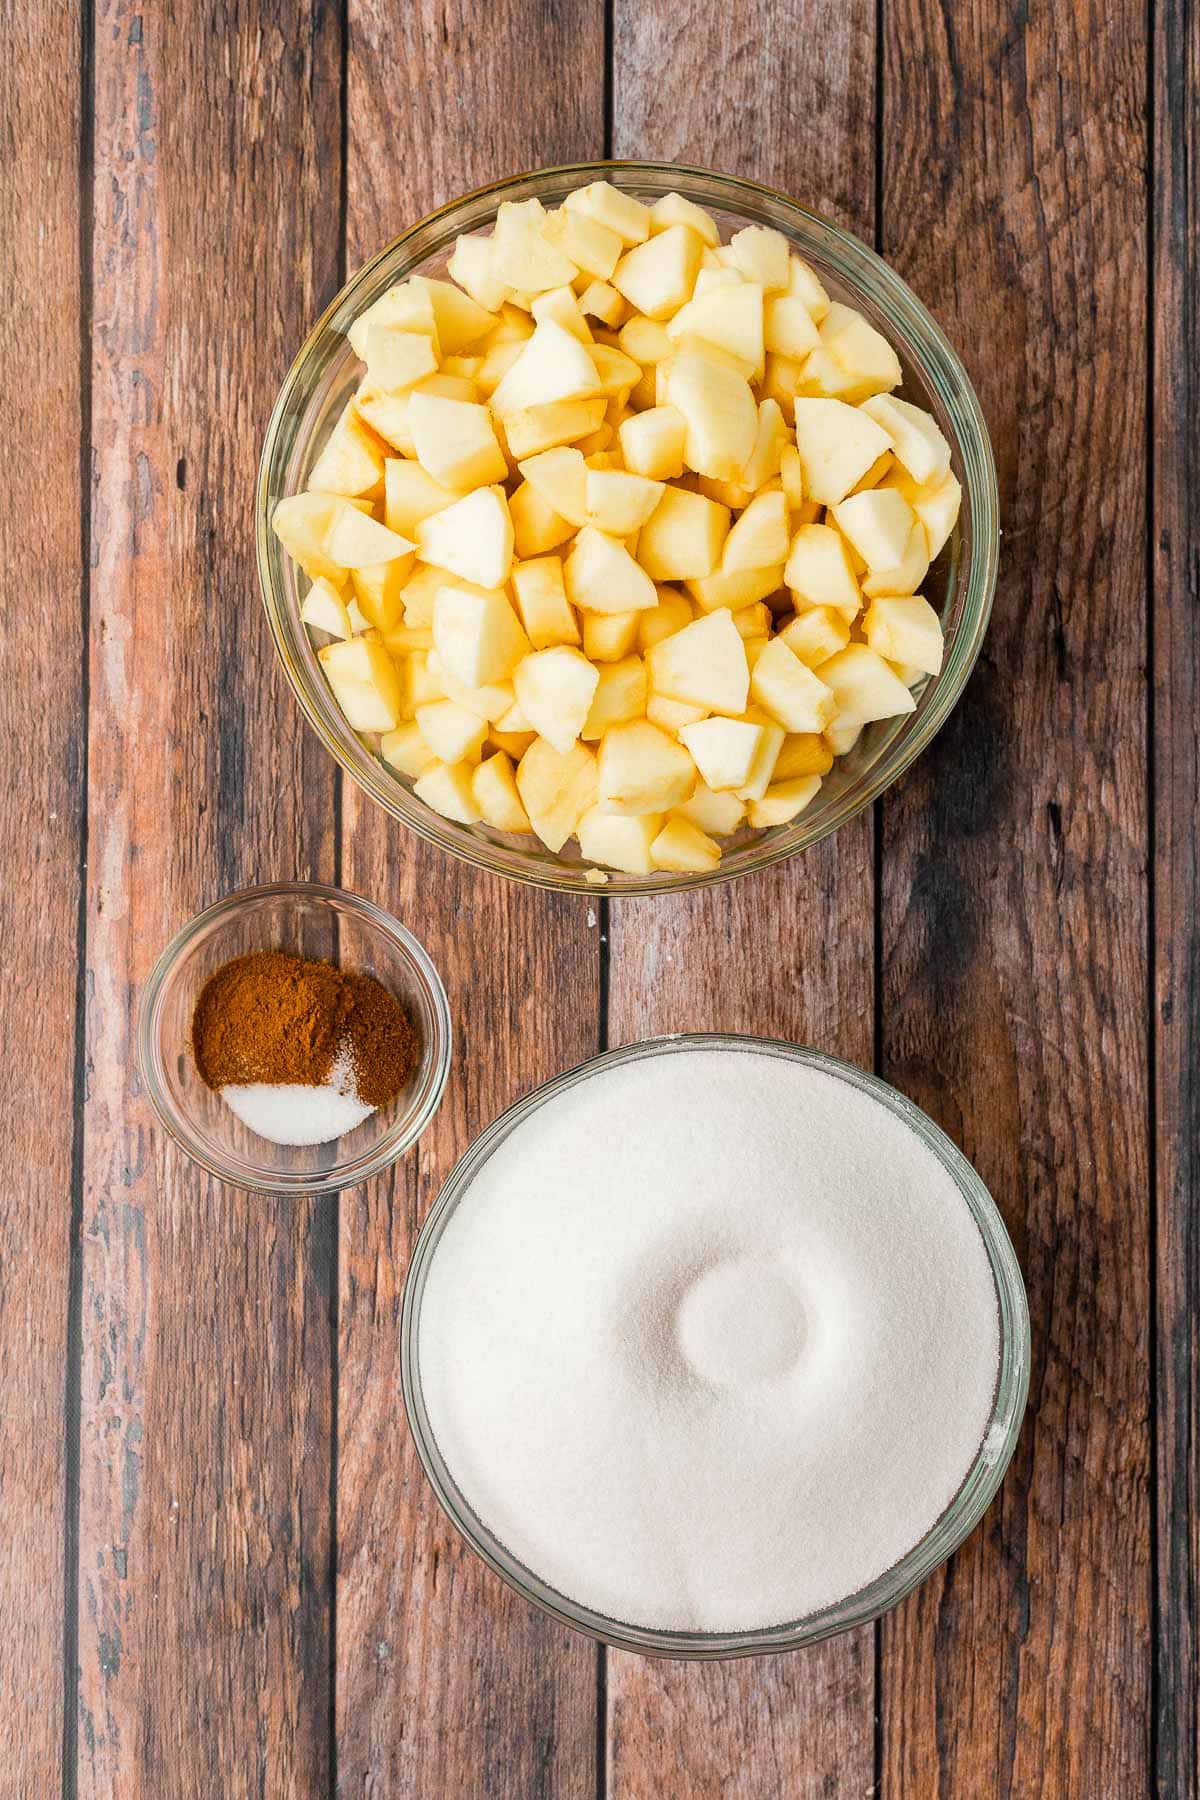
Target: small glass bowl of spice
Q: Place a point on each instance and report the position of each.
(294, 1038)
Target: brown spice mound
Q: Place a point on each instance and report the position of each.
(276, 1018)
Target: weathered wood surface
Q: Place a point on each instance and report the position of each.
(1175, 995)
(203, 1604)
(1014, 882)
(253, 1591)
(447, 1684)
(42, 730)
(789, 953)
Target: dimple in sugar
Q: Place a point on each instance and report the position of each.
(711, 1341)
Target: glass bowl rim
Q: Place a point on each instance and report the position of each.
(921, 338)
(394, 1142)
(950, 1529)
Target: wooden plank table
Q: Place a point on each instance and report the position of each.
(221, 1570)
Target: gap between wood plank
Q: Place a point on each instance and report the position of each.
(73, 1373)
(1151, 936)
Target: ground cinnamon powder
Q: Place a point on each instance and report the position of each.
(276, 1018)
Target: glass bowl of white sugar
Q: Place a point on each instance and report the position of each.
(310, 921)
(714, 1346)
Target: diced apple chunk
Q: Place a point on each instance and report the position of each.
(916, 437)
(397, 358)
(906, 576)
(863, 686)
(683, 848)
(607, 637)
(538, 428)
(937, 508)
(554, 690)
(735, 591)
(717, 814)
(673, 209)
(819, 571)
(602, 577)
(762, 255)
(537, 528)
(521, 256)
(552, 366)
(323, 609)
(405, 749)
(472, 538)
(867, 361)
(718, 408)
(453, 732)
(657, 276)
(591, 245)
(673, 612)
(560, 477)
(905, 630)
(621, 843)
(816, 634)
(561, 305)
(795, 697)
(461, 321)
(789, 325)
(600, 301)
(365, 683)
(759, 537)
(837, 445)
(379, 591)
(768, 755)
(704, 664)
(770, 441)
(351, 462)
(723, 750)
(803, 753)
(729, 315)
(477, 636)
(555, 789)
(407, 307)
(877, 525)
(455, 442)
(783, 801)
(410, 495)
(642, 770)
(542, 602)
(652, 442)
(620, 696)
(355, 541)
(471, 267)
(449, 790)
(622, 213)
(494, 790)
(619, 503)
(683, 537)
(673, 715)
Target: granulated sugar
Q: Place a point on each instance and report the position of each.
(711, 1341)
(290, 1112)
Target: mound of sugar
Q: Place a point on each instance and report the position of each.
(711, 1341)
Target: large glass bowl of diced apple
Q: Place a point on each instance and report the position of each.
(626, 526)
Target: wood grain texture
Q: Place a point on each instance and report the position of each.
(447, 1685)
(1014, 894)
(785, 94)
(1175, 540)
(41, 794)
(206, 1388)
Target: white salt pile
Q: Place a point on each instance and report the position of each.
(297, 1112)
(711, 1342)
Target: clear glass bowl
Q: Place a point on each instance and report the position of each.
(959, 585)
(961, 1516)
(306, 920)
